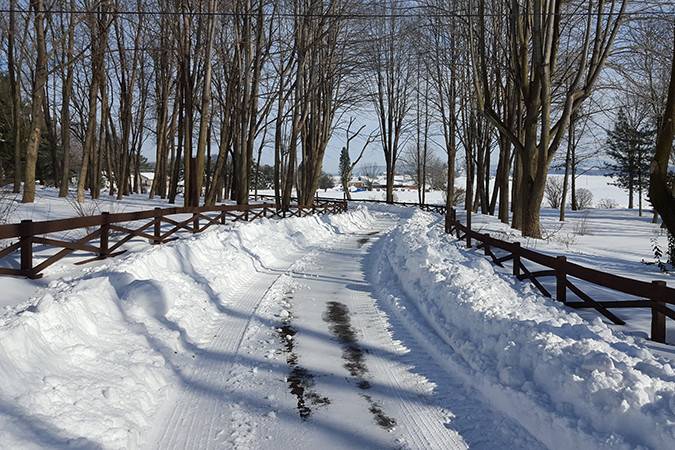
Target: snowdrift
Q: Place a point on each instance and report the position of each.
(89, 362)
(571, 383)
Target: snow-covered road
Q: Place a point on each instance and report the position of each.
(304, 359)
(371, 329)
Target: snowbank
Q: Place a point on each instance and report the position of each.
(571, 383)
(89, 362)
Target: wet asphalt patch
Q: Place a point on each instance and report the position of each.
(300, 380)
(337, 316)
(386, 422)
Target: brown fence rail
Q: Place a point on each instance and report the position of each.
(655, 295)
(105, 234)
(440, 209)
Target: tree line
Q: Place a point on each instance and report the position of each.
(87, 85)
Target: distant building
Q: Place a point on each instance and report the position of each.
(401, 182)
(146, 179)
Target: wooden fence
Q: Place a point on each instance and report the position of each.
(105, 234)
(655, 295)
(440, 209)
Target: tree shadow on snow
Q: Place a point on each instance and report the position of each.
(35, 430)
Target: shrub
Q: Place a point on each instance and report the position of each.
(9, 201)
(581, 227)
(326, 181)
(607, 203)
(554, 191)
(584, 198)
(457, 196)
(568, 240)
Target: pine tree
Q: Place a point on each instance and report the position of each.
(630, 148)
(345, 171)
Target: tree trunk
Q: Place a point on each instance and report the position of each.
(51, 136)
(97, 32)
(66, 91)
(571, 144)
(36, 102)
(660, 194)
(517, 201)
(16, 96)
(205, 105)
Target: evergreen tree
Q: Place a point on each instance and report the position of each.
(630, 148)
(345, 171)
(262, 177)
(326, 181)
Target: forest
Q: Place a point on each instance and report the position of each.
(92, 90)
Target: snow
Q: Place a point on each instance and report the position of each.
(183, 345)
(91, 359)
(599, 185)
(49, 206)
(617, 240)
(570, 382)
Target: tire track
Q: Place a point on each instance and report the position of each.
(419, 425)
(203, 399)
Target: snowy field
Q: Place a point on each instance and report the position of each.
(49, 206)
(371, 329)
(599, 185)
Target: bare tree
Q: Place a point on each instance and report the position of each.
(443, 67)
(554, 192)
(346, 164)
(15, 90)
(370, 172)
(537, 29)
(97, 23)
(67, 64)
(39, 80)
(198, 179)
(390, 80)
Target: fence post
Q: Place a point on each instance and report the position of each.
(516, 258)
(157, 226)
(26, 246)
(450, 217)
(195, 220)
(468, 228)
(246, 213)
(658, 333)
(105, 234)
(561, 279)
(457, 230)
(486, 246)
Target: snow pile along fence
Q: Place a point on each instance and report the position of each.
(654, 296)
(157, 225)
(570, 382)
(92, 360)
